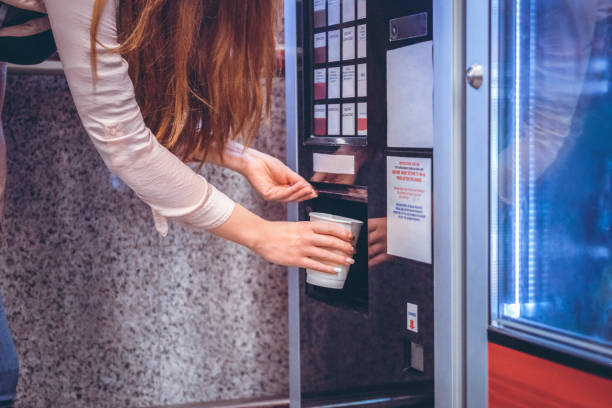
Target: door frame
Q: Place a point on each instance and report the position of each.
(449, 203)
(477, 123)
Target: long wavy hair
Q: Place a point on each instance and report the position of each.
(202, 69)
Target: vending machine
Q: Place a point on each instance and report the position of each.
(539, 203)
(362, 134)
(470, 140)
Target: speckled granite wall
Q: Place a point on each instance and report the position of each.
(104, 311)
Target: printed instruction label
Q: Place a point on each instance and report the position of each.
(334, 46)
(348, 10)
(348, 43)
(348, 81)
(362, 80)
(333, 12)
(361, 9)
(409, 207)
(348, 119)
(362, 44)
(334, 83)
(412, 314)
(333, 119)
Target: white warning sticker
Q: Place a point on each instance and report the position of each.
(412, 313)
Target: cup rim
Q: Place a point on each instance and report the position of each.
(335, 218)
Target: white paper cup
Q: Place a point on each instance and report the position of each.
(327, 280)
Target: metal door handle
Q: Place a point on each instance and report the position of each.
(474, 75)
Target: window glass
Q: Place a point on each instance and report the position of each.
(551, 175)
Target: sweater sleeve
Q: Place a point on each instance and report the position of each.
(111, 116)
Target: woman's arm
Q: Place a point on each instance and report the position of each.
(304, 244)
(272, 179)
(111, 116)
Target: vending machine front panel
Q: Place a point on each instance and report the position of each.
(364, 142)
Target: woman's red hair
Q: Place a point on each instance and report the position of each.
(202, 69)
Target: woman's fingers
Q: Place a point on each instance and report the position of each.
(374, 250)
(317, 177)
(326, 241)
(303, 195)
(290, 193)
(281, 193)
(372, 226)
(331, 229)
(327, 256)
(378, 259)
(375, 237)
(319, 266)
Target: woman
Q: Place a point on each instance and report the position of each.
(191, 92)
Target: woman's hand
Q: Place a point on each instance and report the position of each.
(310, 245)
(377, 242)
(273, 180)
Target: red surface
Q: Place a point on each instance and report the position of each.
(319, 18)
(520, 380)
(320, 90)
(319, 55)
(320, 127)
(362, 124)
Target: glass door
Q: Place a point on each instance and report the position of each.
(551, 172)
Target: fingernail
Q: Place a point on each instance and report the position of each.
(350, 260)
(337, 269)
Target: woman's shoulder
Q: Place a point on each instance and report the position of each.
(34, 5)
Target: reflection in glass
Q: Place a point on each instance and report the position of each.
(552, 168)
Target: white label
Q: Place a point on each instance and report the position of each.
(319, 111)
(348, 81)
(333, 163)
(319, 5)
(333, 12)
(348, 10)
(334, 83)
(333, 119)
(412, 315)
(362, 80)
(348, 119)
(410, 96)
(319, 75)
(334, 46)
(348, 43)
(361, 9)
(319, 40)
(362, 44)
(362, 119)
(409, 208)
